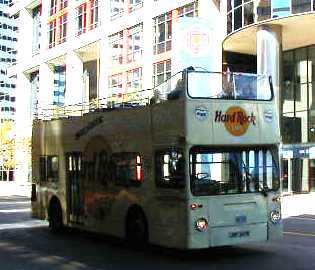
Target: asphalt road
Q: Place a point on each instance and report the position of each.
(27, 244)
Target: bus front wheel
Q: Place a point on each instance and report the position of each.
(55, 216)
(137, 229)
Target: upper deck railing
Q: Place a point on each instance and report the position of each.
(189, 83)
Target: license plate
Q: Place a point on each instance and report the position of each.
(239, 234)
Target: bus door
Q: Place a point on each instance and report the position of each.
(74, 186)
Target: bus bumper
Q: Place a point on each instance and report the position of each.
(228, 235)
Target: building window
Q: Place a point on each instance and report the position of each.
(299, 6)
(34, 92)
(59, 85)
(134, 85)
(189, 10)
(281, 8)
(116, 45)
(134, 5)
(115, 86)
(134, 43)
(248, 13)
(297, 98)
(81, 19)
(238, 15)
(162, 26)
(242, 13)
(52, 34)
(162, 33)
(116, 8)
(36, 29)
(53, 7)
(94, 14)
(161, 72)
(63, 28)
(63, 4)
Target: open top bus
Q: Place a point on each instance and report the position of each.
(192, 163)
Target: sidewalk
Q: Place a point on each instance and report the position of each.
(15, 189)
(298, 204)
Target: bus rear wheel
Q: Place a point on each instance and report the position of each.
(55, 217)
(137, 229)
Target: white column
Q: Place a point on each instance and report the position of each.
(46, 91)
(71, 25)
(104, 51)
(74, 80)
(23, 128)
(44, 26)
(25, 34)
(147, 69)
(269, 52)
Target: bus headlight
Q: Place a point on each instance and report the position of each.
(201, 224)
(275, 216)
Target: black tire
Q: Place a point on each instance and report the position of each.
(55, 217)
(137, 229)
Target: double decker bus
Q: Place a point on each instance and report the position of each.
(193, 164)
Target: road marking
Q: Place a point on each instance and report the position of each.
(14, 202)
(303, 218)
(16, 210)
(300, 234)
(23, 225)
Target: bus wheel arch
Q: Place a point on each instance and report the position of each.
(55, 216)
(136, 227)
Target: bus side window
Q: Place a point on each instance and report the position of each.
(170, 169)
(128, 169)
(42, 169)
(52, 168)
(49, 168)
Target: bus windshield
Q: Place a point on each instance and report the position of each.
(202, 84)
(233, 171)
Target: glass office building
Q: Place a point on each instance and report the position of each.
(294, 19)
(8, 40)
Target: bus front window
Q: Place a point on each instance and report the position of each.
(215, 172)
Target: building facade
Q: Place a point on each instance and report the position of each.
(80, 55)
(86, 54)
(8, 41)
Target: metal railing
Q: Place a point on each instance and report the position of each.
(189, 82)
(119, 100)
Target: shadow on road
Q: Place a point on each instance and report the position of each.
(38, 248)
(27, 243)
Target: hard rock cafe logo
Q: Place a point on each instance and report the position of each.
(235, 119)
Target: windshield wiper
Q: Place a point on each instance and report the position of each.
(264, 189)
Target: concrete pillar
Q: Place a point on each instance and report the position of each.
(24, 49)
(44, 26)
(75, 92)
(147, 69)
(46, 91)
(104, 52)
(71, 25)
(269, 55)
(23, 129)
